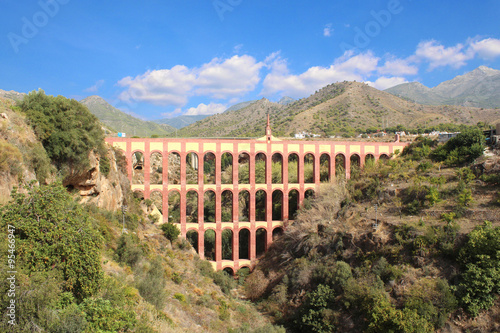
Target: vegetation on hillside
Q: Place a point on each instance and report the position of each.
(344, 109)
(422, 260)
(66, 128)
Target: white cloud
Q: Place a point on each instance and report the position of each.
(328, 30)
(204, 109)
(398, 67)
(347, 67)
(437, 55)
(219, 79)
(228, 78)
(162, 87)
(95, 87)
(488, 48)
(384, 82)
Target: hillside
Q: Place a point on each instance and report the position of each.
(401, 247)
(478, 88)
(121, 122)
(87, 274)
(342, 108)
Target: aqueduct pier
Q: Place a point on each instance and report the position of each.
(254, 185)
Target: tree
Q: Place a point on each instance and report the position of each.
(170, 231)
(66, 128)
(480, 260)
(464, 148)
(53, 232)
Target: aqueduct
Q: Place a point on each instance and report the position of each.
(231, 206)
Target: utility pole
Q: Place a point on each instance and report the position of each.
(375, 226)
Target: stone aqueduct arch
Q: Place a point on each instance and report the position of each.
(242, 151)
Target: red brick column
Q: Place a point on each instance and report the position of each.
(129, 160)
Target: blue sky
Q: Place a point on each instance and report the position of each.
(157, 59)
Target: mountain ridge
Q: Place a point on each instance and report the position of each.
(476, 88)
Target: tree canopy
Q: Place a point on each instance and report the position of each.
(55, 233)
(66, 128)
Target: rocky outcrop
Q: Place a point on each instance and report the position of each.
(107, 192)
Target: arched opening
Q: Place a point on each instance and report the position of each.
(174, 168)
(192, 207)
(227, 244)
(277, 205)
(192, 167)
(384, 158)
(227, 168)
(192, 238)
(227, 206)
(244, 168)
(244, 206)
(355, 166)
(244, 240)
(260, 241)
(369, 160)
(209, 244)
(174, 207)
(260, 168)
(340, 166)
(293, 204)
(309, 168)
(137, 168)
(156, 169)
(209, 168)
(260, 205)
(156, 205)
(277, 232)
(324, 168)
(138, 195)
(293, 169)
(209, 206)
(309, 194)
(229, 271)
(277, 169)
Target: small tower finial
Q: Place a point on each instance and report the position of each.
(268, 128)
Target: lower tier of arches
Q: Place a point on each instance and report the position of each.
(232, 247)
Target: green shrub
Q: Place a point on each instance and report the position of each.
(180, 297)
(66, 128)
(128, 250)
(55, 233)
(225, 281)
(464, 148)
(151, 285)
(480, 260)
(170, 231)
(102, 316)
(104, 166)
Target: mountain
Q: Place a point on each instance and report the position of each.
(14, 95)
(286, 100)
(122, 122)
(338, 109)
(477, 88)
(239, 106)
(246, 121)
(180, 121)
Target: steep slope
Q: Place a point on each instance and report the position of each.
(122, 122)
(477, 88)
(342, 108)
